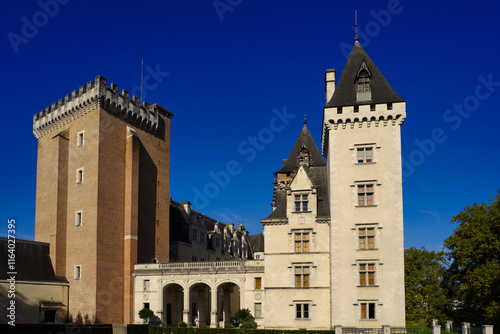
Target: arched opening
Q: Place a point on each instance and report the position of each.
(173, 304)
(200, 301)
(228, 303)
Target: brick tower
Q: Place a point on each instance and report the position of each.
(102, 194)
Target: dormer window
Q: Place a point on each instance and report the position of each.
(363, 83)
(301, 202)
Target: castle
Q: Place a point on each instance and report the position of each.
(331, 253)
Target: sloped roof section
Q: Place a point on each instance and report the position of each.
(345, 91)
(32, 262)
(305, 139)
(256, 242)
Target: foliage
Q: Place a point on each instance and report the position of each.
(425, 295)
(146, 313)
(243, 315)
(245, 324)
(474, 274)
(182, 324)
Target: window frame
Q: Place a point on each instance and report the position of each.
(258, 283)
(78, 218)
(79, 175)
(365, 193)
(78, 272)
(304, 244)
(146, 285)
(302, 310)
(365, 310)
(364, 154)
(258, 313)
(367, 273)
(302, 200)
(302, 276)
(80, 139)
(364, 237)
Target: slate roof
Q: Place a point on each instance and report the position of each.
(32, 262)
(256, 243)
(345, 91)
(305, 138)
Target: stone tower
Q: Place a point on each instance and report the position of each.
(102, 194)
(362, 143)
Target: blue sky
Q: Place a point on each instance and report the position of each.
(227, 68)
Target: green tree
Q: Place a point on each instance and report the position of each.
(243, 315)
(424, 292)
(146, 313)
(474, 274)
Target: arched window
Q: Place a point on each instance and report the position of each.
(363, 81)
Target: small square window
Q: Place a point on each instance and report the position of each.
(301, 202)
(80, 139)
(356, 109)
(146, 305)
(79, 176)
(339, 110)
(78, 272)
(372, 107)
(389, 106)
(302, 311)
(368, 311)
(78, 219)
(364, 155)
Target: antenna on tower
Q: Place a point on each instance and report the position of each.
(356, 25)
(142, 75)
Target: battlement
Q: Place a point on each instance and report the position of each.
(87, 98)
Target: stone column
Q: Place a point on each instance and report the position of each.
(434, 322)
(201, 308)
(214, 319)
(487, 329)
(227, 310)
(338, 329)
(465, 327)
(436, 329)
(159, 309)
(386, 329)
(185, 312)
(449, 325)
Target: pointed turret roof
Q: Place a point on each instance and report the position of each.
(305, 140)
(345, 92)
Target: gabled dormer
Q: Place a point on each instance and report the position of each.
(363, 83)
(301, 194)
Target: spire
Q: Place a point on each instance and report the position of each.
(356, 25)
(305, 119)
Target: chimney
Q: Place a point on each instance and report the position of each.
(187, 206)
(329, 84)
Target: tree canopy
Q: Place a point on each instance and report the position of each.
(474, 273)
(425, 296)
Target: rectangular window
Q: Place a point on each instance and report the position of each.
(367, 274)
(145, 285)
(258, 310)
(372, 107)
(301, 203)
(202, 237)
(339, 110)
(194, 258)
(78, 272)
(195, 235)
(79, 176)
(356, 109)
(217, 243)
(364, 155)
(302, 277)
(368, 311)
(366, 238)
(301, 242)
(145, 305)
(302, 311)
(78, 219)
(80, 139)
(258, 283)
(389, 106)
(365, 194)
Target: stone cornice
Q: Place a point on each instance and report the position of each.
(88, 98)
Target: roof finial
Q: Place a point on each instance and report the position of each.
(305, 119)
(356, 25)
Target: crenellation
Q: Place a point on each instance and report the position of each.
(83, 100)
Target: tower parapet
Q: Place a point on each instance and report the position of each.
(86, 98)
